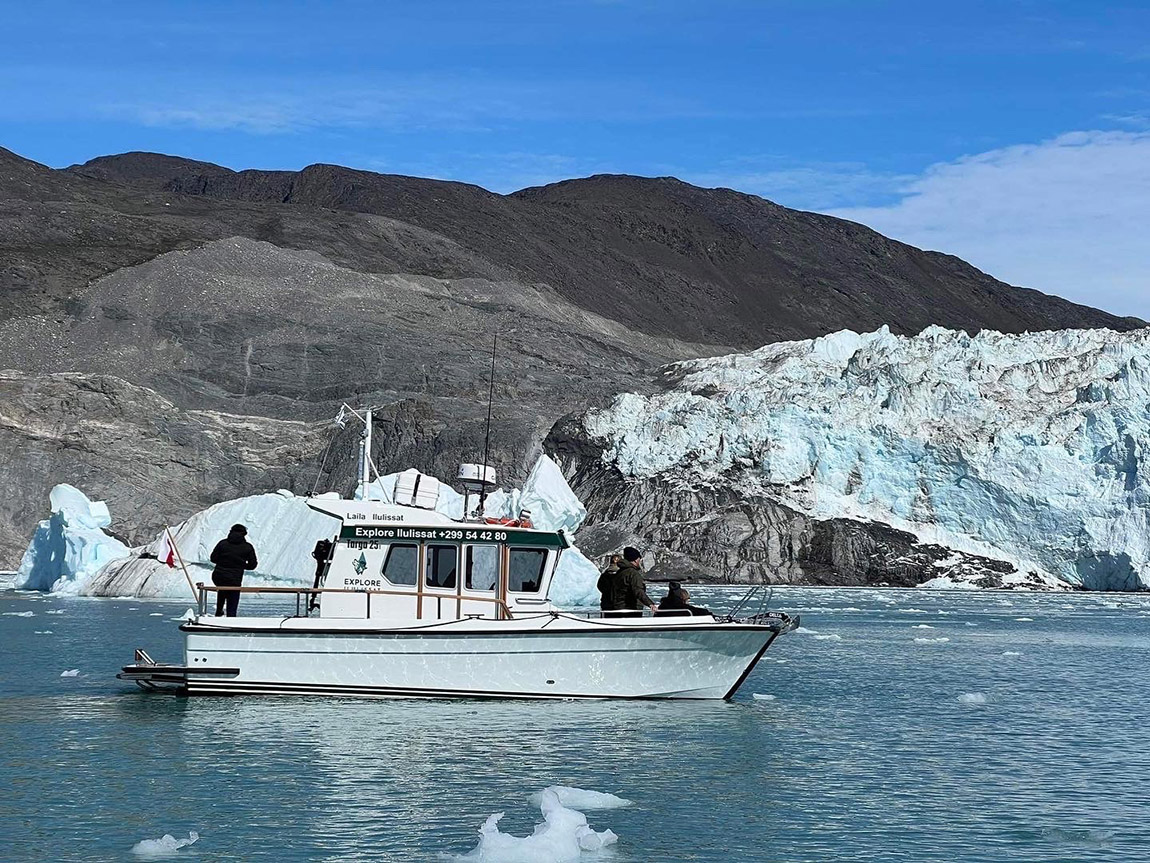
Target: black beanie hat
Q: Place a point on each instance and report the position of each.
(239, 528)
(631, 554)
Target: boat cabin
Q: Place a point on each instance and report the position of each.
(408, 562)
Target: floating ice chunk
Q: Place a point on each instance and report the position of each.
(156, 614)
(42, 631)
(581, 798)
(972, 698)
(922, 626)
(1011, 653)
(71, 672)
(829, 637)
(1025, 619)
(69, 546)
(563, 837)
(941, 640)
(55, 611)
(165, 846)
(968, 623)
(19, 614)
(760, 696)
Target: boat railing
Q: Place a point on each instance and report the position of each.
(304, 608)
(755, 597)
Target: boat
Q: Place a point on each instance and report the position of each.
(414, 603)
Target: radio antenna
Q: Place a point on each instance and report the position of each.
(487, 436)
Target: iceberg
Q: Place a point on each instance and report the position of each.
(69, 546)
(281, 526)
(71, 553)
(1032, 449)
(553, 506)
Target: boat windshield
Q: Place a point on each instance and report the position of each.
(525, 572)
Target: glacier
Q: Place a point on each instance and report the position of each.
(1031, 448)
(71, 553)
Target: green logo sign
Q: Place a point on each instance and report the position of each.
(360, 565)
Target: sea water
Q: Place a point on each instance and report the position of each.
(895, 725)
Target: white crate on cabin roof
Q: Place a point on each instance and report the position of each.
(413, 488)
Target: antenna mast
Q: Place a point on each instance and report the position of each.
(487, 436)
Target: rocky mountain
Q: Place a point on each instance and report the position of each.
(662, 256)
(199, 327)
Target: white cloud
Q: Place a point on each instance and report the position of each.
(1069, 216)
(811, 186)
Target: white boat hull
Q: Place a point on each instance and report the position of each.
(545, 656)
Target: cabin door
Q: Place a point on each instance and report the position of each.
(439, 588)
(481, 564)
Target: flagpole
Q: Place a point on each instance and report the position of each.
(180, 558)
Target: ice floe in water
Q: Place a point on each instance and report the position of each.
(165, 846)
(19, 613)
(972, 698)
(580, 798)
(1011, 653)
(760, 696)
(71, 672)
(1025, 619)
(563, 837)
(942, 640)
(922, 626)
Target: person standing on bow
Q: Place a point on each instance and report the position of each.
(630, 580)
(232, 556)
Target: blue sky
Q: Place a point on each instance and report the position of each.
(1015, 134)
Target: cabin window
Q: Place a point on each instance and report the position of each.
(402, 564)
(525, 572)
(439, 569)
(482, 567)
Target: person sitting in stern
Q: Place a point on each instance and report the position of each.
(676, 603)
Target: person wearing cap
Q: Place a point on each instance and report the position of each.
(630, 589)
(232, 556)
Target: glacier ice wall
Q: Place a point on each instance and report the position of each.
(1029, 448)
(70, 545)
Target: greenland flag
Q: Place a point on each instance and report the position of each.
(166, 552)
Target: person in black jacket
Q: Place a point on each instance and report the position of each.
(232, 557)
(676, 602)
